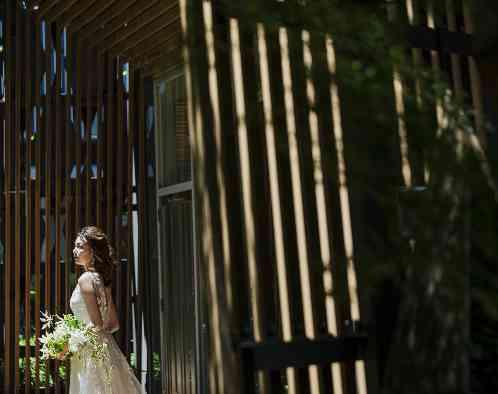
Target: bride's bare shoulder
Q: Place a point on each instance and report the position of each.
(85, 281)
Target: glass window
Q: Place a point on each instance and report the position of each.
(173, 158)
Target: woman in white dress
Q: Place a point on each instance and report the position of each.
(92, 302)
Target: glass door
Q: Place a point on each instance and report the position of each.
(178, 274)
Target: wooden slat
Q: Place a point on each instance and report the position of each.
(68, 185)
(456, 66)
(75, 11)
(291, 85)
(37, 211)
(118, 187)
(58, 115)
(162, 23)
(91, 14)
(130, 122)
(163, 42)
(301, 352)
(121, 9)
(109, 173)
(9, 44)
(18, 191)
(280, 251)
(475, 80)
(28, 77)
(59, 9)
(214, 99)
(101, 139)
(220, 377)
(161, 63)
(157, 50)
(139, 137)
(130, 23)
(295, 298)
(78, 85)
(166, 36)
(259, 331)
(345, 209)
(88, 142)
(48, 164)
(46, 7)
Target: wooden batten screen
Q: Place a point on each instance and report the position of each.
(279, 213)
(274, 219)
(70, 118)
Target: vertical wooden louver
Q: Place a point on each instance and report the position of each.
(278, 210)
(281, 180)
(71, 131)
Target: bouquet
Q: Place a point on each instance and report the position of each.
(66, 336)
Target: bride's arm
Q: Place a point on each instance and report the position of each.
(112, 324)
(88, 293)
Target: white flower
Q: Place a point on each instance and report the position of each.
(76, 341)
(47, 320)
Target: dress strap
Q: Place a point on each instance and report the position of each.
(98, 286)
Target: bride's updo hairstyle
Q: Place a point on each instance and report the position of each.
(105, 260)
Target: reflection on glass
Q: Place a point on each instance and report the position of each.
(178, 292)
(173, 134)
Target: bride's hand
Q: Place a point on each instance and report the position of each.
(62, 355)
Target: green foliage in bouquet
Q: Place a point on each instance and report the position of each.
(66, 337)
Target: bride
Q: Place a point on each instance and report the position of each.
(92, 302)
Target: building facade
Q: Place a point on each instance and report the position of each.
(217, 145)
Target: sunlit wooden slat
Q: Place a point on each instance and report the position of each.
(413, 19)
(218, 377)
(352, 282)
(309, 323)
(246, 176)
(406, 169)
(215, 105)
(321, 207)
(475, 79)
(456, 69)
(435, 60)
(283, 286)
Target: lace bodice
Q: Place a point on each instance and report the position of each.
(77, 303)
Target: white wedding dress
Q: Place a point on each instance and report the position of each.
(87, 377)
